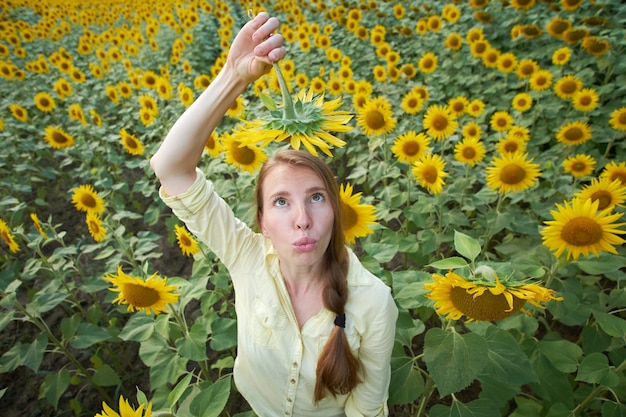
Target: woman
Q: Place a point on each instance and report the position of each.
(315, 328)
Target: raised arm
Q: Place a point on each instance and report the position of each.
(251, 55)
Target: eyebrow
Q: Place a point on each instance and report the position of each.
(310, 190)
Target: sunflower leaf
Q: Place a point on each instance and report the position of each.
(466, 245)
(449, 263)
(453, 360)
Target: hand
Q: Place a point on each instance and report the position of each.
(256, 47)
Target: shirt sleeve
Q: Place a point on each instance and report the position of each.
(369, 398)
(212, 221)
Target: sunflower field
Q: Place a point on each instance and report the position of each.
(480, 149)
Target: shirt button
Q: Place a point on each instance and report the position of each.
(289, 400)
(293, 381)
(295, 364)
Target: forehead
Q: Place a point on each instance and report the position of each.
(291, 178)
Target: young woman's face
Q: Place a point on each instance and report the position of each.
(297, 215)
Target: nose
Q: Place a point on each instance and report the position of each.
(303, 219)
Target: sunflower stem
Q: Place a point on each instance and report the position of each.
(596, 392)
(289, 111)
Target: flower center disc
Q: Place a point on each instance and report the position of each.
(440, 123)
(485, 307)
(430, 174)
(512, 174)
(245, 155)
(603, 197)
(469, 153)
(375, 120)
(411, 148)
(140, 296)
(581, 231)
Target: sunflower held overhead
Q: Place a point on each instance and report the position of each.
(306, 121)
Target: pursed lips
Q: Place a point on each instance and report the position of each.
(305, 244)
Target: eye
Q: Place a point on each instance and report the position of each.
(280, 202)
(317, 197)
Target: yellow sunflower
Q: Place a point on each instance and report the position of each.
(454, 41)
(596, 46)
(146, 116)
(579, 228)
(429, 172)
(94, 224)
(472, 130)
(242, 156)
(8, 238)
(574, 133)
(567, 86)
(522, 102)
(439, 122)
(614, 170)
(557, 26)
(561, 56)
(481, 299)
(526, 68)
(376, 117)
(19, 112)
(85, 198)
(213, 145)
(38, 226)
(580, 165)
(150, 79)
(75, 111)
(427, 63)
(152, 294)
(507, 62)
(186, 242)
(412, 102)
(410, 146)
(307, 122)
(476, 107)
(469, 151)
(132, 145)
(585, 99)
(148, 102)
(44, 102)
(356, 216)
(519, 132)
(112, 94)
(608, 193)
(458, 106)
(501, 121)
(522, 4)
(510, 144)
(618, 119)
(571, 5)
(57, 138)
(512, 172)
(541, 80)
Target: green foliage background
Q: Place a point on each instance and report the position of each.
(569, 359)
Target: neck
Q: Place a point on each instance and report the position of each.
(302, 280)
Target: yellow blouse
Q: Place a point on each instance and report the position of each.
(276, 360)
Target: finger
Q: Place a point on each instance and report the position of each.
(271, 43)
(255, 23)
(277, 54)
(265, 29)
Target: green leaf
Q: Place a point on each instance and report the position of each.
(407, 383)
(476, 408)
(193, 346)
(45, 302)
(224, 333)
(212, 399)
(506, 360)
(449, 263)
(595, 369)
(612, 325)
(54, 386)
(466, 245)
(268, 102)
(411, 296)
(179, 389)
(602, 265)
(382, 252)
(105, 376)
(563, 354)
(88, 334)
(27, 354)
(138, 328)
(453, 360)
